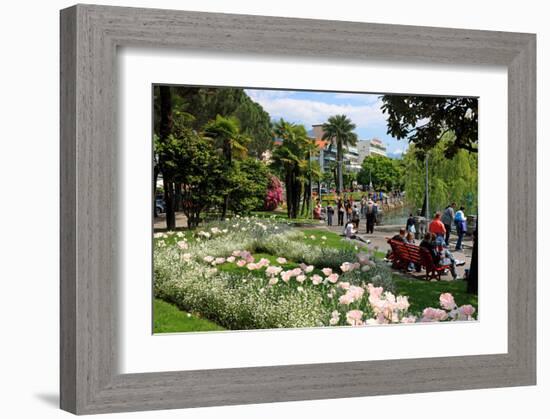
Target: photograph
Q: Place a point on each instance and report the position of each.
(299, 209)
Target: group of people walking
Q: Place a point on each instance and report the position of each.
(347, 210)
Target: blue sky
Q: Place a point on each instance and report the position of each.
(315, 107)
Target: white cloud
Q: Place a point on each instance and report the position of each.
(368, 99)
(310, 112)
(265, 95)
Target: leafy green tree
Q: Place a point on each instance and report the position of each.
(191, 161)
(349, 178)
(206, 103)
(252, 176)
(385, 173)
(339, 130)
(450, 180)
(328, 177)
(425, 120)
(225, 133)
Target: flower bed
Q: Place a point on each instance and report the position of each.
(217, 272)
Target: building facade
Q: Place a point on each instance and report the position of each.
(370, 148)
(327, 152)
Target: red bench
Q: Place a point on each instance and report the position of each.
(403, 254)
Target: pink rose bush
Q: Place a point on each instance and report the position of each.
(357, 305)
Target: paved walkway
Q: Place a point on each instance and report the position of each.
(159, 223)
(382, 233)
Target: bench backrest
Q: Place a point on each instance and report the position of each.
(412, 253)
(406, 251)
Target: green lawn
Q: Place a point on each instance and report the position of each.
(424, 294)
(315, 237)
(167, 318)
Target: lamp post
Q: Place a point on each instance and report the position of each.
(427, 191)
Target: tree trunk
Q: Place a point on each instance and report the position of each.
(169, 199)
(177, 197)
(229, 161)
(339, 157)
(225, 206)
(288, 187)
(472, 274)
(297, 193)
(305, 201)
(155, 178)
(165, 129)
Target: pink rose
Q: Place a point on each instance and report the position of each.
(345, 299)
(241, 263)
(375, 292)
(402, 303)
(408, 319)
(353, 317)
(263, 262)
(467, 311)
(273, 270)
(326, 271)
(346, 266)
(431, 314)
(286, 275)
(281, 260)
(316, 279)
(301, 278)
(447, 301)
(333, 278)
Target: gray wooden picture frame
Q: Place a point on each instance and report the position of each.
(90, 36)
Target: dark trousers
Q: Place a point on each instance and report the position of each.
(340, 218)
(329, 219)
(370, 224)
(447, 233)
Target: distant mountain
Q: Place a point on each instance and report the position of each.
(395, 155)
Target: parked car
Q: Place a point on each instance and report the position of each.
(324, 191)
(160, 206)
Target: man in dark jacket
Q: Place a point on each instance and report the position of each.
(447, 219)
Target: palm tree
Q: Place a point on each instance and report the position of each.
(339, 130)
(225, 132)
(291, 159)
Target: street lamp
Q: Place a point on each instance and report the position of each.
(427, 190)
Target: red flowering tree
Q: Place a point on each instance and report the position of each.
(274, 195)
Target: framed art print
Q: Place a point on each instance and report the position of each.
(260, 209)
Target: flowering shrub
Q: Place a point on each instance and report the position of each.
(317, 286)
(274, 196)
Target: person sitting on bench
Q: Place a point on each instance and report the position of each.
(401, 237)
(440, 255)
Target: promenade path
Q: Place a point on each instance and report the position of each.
(382, 233)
